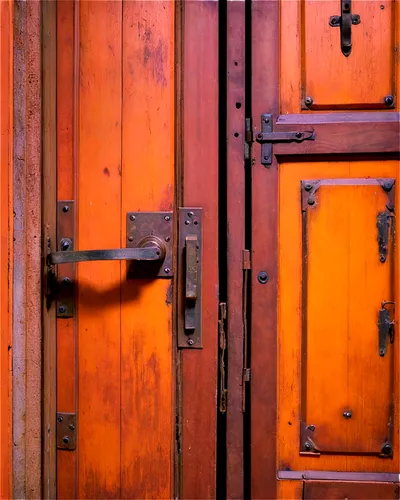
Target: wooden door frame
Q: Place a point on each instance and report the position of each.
(27, 293)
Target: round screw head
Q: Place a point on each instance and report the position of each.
(167, 270)
(190, 341)
(308, 187)
(167, 239)
(167, 218)
(130, 238)
(62, 309)
(190, 214)
(132, 218)
(187, 222)
(262, 277)
(389, 100)
(65, 208)
(66, 280)
(65, 244)
(311, 202)
(387, 449)
(307, 446)
(71, 427)
(387, 186)
(266, 120)
(65, 439)
(299, 135)
(59, 418)
(259, 136)
(347, 414)
(382, 258)
(266, 157)
(381, 352)
(308, 101)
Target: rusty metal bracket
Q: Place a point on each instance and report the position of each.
(190, 277)
(344, 22)
(64, 281)
(385, 327)
(267, 137)
(308, 445)
(66, 431)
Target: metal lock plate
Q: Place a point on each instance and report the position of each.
(66, 272)
(66, 431)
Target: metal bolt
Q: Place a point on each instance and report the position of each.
(381, 352)
(130, 238)
(65, 244)
(262, 277)
(307, 446)
(266, 120)
(187, 222)
(259, 136)
(72, 427)
(190, 214)
(167, 239)
(266, 157)
(311, 201)
(132, 218)
(299, 135)
(389, 100)
(308, 101)
(308, 187)
(65, 439)
(334, 20)
(167, 270)
(347, 414)
(382, 258)
(62, 309)
(167, 218)
(65, 208)
(59, 418)
(66, 280)
(387, 449)
(311, 428)
(387, 186)
(190, 341)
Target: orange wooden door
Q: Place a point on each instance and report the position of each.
(116, 428)
(324, 326)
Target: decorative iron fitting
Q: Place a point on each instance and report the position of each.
(345, 22)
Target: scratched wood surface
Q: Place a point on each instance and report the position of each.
(5, 220)
(115, 129)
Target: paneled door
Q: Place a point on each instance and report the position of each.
(130, 253)
(325, 263)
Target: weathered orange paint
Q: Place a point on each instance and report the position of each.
(6, 97)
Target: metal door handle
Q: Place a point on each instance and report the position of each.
(149, 249)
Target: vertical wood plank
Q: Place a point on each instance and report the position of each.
(236, 244)
(5, 220)
(147, 427)
(49, 173)
(99, 215)
(200, 172)
(66, 341)
(265, 84)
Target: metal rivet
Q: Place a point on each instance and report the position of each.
(259, 136)
(132, 218)
(195, 222)
(130, 238)
(382, 7)
(308, 101)
(308, 187)
(382, 258)
(167, 218)
(262, 277)
(65, 244)
(311, 201)
(65, 208)
(347, 414)
(167, 270)
(190, 214)
(266, 157)
(62, 309)
(60, 418)
(299, 135)
(187, 222)
(381, 352)
(65, 439)
(167, 239)
(66, 280)
(71, 427)
(389, 100)
(307, 446)
(387, 449)
(190, 341)
(266, 120)
(387, 186)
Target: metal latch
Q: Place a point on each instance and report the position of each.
(344, 22)
(148, 248)
(267, 137)
(385, 328)
(66, 431)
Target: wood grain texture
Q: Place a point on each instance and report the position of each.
(27, 293)
(265, 73)
(236, 244)
(314, 490)
(290, 320)
(290, 490)
(200, 188)
(6, 108)
(147, 426)
(67, 62)
(99, 226)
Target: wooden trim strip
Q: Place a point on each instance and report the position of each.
(263, 352)
(384, 477)
(363, 133)
(27, 339)
(235, 245)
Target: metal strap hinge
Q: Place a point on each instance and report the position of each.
(223, 392)
(246, 263)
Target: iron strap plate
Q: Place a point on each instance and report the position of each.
(66, 431)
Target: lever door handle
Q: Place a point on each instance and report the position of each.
(151, 249)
